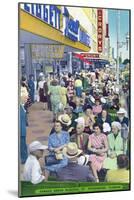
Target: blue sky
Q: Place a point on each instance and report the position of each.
(124, 28)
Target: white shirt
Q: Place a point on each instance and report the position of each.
(41, 84)
(32, 170)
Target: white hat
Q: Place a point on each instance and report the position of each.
(103, 100)
(117, 90)
(80, 120)
(116, 124)
(41, 74)
(92, 98)
(106, 127)
(121, 111)
(36, 145)
(109, 82)
(93, 84)
(65, 119)
(71, 151)
(83, 160)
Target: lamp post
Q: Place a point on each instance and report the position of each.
(118, 28)
(120, 45)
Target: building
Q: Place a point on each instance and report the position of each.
(47, 36)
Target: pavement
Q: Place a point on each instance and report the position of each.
(40, 123)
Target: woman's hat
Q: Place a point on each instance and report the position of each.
(116, 124)
(83, 160)
(65, 119)
(92, 99)
(71, 151)
(106, 127)
(80, 120)
(41, 74)
(54, 82)
(103, 100)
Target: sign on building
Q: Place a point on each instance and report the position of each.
(100, 30)
(51, 51)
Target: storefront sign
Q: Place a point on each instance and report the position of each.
(72, 30)
(90, 55)
(84, 38)
(48, 13)
(40, 51)
(100, 30)
(76, 55)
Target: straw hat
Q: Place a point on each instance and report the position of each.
(71, 151)
(83, 160)
(65, 119)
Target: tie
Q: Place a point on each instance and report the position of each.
(81, 142)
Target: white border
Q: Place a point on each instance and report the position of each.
(9, 96)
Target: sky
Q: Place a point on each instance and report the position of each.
(123, 30)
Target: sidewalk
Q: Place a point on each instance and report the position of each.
(40, 123)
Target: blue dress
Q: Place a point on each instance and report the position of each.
(55, 141)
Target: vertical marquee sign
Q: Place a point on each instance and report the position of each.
(100, 29)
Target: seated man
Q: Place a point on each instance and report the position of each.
(80, 138)
(32, 169)
(73, 171)
(120, 175)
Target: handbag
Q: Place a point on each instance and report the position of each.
(51, 160)
(59, 155)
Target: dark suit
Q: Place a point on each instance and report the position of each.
(75, 172)
(124, 121)
(74, 138)
(100, 121)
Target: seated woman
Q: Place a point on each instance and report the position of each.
(115, 142)
(56, 142)
(97, 146)
(65, 122)
(120, 175)
(97, 108)
(103, 117)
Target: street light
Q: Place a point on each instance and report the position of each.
(120, 45)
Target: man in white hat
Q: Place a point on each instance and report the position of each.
(32, 169)
(73, 171)
(121, 116)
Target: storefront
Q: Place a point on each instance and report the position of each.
(91, 61)
(47, 35)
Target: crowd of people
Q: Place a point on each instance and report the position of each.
(90, 137)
